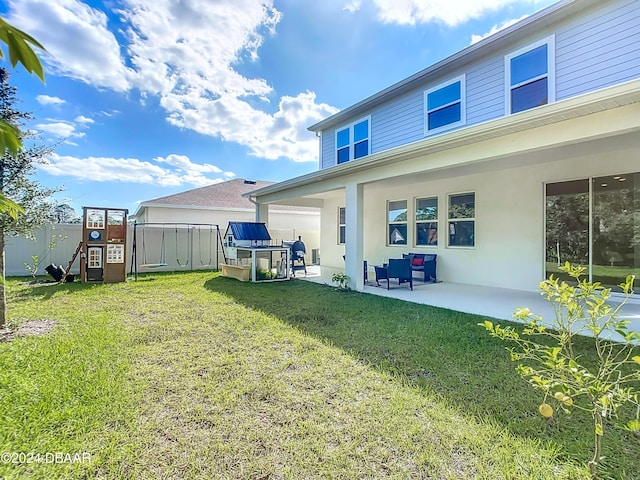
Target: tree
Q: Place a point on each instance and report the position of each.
(65, 213)
(16, 183)
(549, 361)
(20, 51)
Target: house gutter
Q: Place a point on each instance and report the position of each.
(572, 108)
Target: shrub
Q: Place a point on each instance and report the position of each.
(554, 367)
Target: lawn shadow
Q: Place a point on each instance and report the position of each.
(44, 289)
(438, 351)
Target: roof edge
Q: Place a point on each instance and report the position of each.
(618, 95)
(549, 14)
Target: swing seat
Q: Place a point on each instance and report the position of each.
(153, 265)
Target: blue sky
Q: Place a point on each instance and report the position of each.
(146, 98)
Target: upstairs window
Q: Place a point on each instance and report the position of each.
(352, 142)
(531, 76)
(445, 106)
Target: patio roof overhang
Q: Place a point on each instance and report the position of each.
(605, 113)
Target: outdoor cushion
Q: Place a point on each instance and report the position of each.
(424, 264)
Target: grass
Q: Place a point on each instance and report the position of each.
(198, 376)
(609, 275)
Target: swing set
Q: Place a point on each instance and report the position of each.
(201, 240)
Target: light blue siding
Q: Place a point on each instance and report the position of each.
(328, 151)
(601, 50)
(398, 123)
(596, 50)
(485, 91)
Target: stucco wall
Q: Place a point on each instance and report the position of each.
(509, 250)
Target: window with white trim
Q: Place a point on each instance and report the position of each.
(530, 76)
(342, 225)
(445, 106)
(95, 218)
(427, 221)
(462, 220)
(94, 257)
(352, 141)
(397, 222)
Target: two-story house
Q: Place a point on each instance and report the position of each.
(518, 153)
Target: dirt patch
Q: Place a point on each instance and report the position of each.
(34, 327)
(39, 282)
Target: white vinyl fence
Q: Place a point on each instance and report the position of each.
(180, 248)
(51, 244)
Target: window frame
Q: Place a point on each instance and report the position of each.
(96, 218)
(550, 75)
(405, 223)
(352, 143)
(463, 105)
(417, 222)
(94, 257)
(342, 226)
(450, 220)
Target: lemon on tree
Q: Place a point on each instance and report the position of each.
(546, 410)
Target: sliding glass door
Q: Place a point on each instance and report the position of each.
(616, 228)
(596, 223)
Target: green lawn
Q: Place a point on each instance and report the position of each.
(197, 376)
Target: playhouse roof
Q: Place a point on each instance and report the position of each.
(249, 231)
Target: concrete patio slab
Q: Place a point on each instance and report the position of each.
(495, 303)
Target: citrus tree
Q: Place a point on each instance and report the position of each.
(557, 370)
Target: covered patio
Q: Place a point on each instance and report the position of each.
(492, 302)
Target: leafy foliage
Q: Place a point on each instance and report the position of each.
(20, 49)
(342, 281)
(556, 369)
(17, 185)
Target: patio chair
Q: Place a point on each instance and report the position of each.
(424, 264)
(400, 268)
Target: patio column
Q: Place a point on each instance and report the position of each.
(262, 213)
(354, 245)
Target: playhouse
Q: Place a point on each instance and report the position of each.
(103, 245)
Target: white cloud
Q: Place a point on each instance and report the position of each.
(81, 119)
(496, 28)
(48, 100)
(59, 128)
(65, 128)
(186, 54)
(412, 12)
(353, 6)
(180, 170)
(78, 40)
